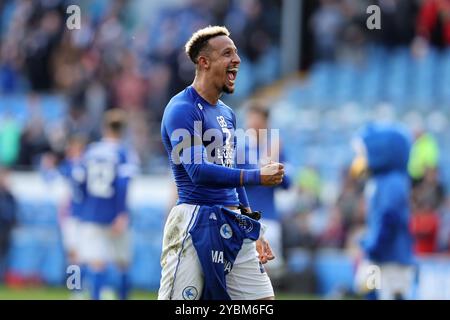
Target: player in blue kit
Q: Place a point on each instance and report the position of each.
(198, 132)
(263, 147)
(104, 233)
(72, 170)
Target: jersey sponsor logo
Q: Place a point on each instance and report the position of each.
(222, 122)
(225, 153)
(190, 293)
(225, 231)
(244, 224)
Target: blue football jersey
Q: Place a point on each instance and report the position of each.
(210, 128)
(109, 167)
(74, 173)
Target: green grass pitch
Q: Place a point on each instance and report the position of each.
(59, 293)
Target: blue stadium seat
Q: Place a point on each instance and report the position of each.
(346, 81)
(147, 218)
(267, 68)
(42, 213)
(145, 269)
(423, 80)
(37, 245)
(15, 106)
(298, 260)
(442, 80)
(51, 108)
(298, 95)
(370, 86)
(245, 80)
(334, 272)
(24, 253)
(321, 84)
(53, 261)
(54, 108)
(147, 224)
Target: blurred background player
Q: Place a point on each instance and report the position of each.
(104, 221)
(8, 213)
(259, 150)
(383, 153)
(428, 193)
(72, 170)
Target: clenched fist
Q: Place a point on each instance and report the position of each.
(272, 174)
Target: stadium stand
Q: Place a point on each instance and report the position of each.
(136, 64)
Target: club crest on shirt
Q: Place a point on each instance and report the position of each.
(190, 293)
(225, 231)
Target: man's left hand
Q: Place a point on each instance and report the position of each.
(264, 251)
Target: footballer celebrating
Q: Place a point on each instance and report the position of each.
(198, 134)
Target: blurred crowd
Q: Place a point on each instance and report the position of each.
(339, 28)
(312, 223)
(339, 32)
(121, 57)
(129, 54)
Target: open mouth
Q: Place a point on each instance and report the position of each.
(231, 75)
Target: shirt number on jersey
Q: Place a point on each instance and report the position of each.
(227, 152)
(100, 178)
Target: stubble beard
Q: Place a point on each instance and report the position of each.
(227, 90)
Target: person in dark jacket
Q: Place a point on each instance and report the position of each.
(8, 209)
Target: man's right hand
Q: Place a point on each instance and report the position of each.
(272, 174)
